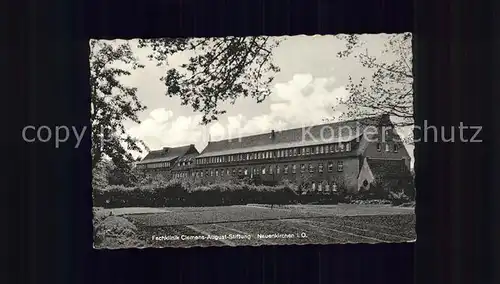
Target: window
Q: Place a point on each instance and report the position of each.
(327, 186)
(342, 147)
(228, 172)
(302, 168)
(336, 148)
(311, 168)
(286, 153)
(271, 170)
(395, 148)
(332, 148)
(246, 172)
(340, 166)
(313, 186)
(317, 150)
(240, 171)
(278, 169)
(387, 147)
(290, 152)
(279, 154)
(295, 152)
(222, 173)
(285, 169)
(334, 187)
(234, 172)
(308, 151)
(379, 147)
(322, 150)
(320, 188)
(211, 173)
(330, 166)
(294, 169)
(320, 167)
(348, 146)
(263, 170)
(303, 151)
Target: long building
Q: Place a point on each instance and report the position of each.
(351, 154)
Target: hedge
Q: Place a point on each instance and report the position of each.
(177, 193)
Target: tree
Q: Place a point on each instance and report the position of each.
(112, 103)
(222, 70)
(390, 87)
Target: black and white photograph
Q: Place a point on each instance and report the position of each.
(250, 141)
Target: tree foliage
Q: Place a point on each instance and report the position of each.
(221, 70)
(112, 102)
(390, 87)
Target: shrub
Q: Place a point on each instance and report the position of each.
(398, 198)
(116, 232)
(182, 193)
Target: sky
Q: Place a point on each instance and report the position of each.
(311, 80)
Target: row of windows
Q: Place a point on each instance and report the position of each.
(185, 163)
(181, 175)
(163, 165)
(293, 152)
(323, 186)
(388, 148)
(270, 170)
(154, 165)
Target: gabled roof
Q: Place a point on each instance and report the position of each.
(168, 154)
(336, 132)
(388, 168)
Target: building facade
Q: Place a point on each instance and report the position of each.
(170, 161)
(325, 158)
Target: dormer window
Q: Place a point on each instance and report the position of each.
(387, 148)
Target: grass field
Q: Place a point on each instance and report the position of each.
(254, 225)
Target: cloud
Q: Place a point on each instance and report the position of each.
(161, 129)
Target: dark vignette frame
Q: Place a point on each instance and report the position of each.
(451, 85)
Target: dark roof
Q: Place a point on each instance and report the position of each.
(168, 154)
(388, 168)
(297, 137)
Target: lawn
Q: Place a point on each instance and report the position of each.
(241, 225)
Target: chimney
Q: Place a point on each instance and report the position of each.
(273, 134)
